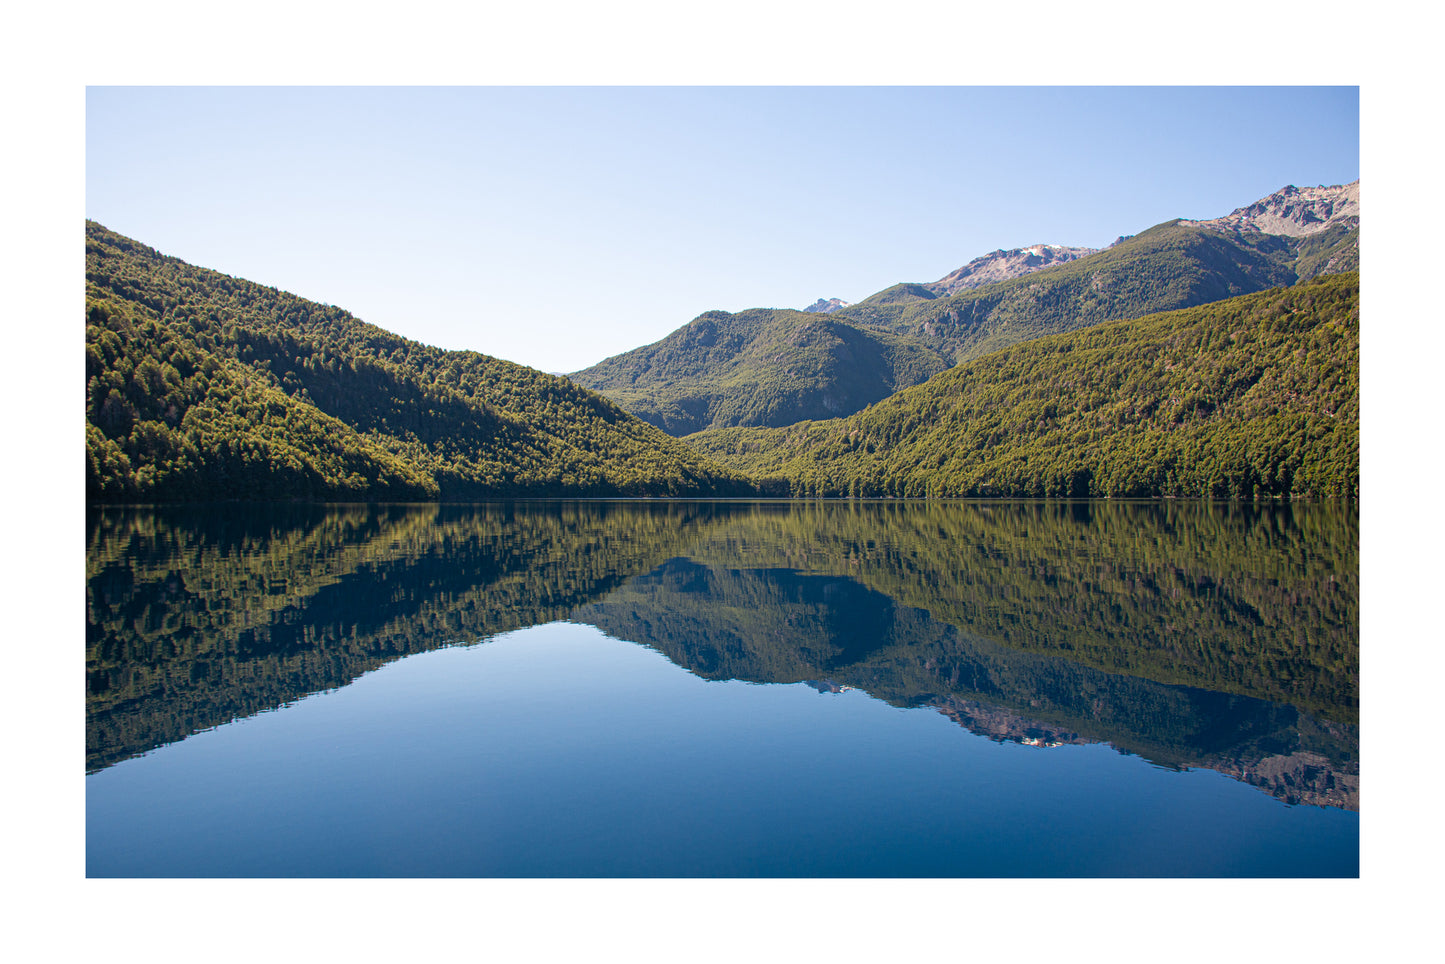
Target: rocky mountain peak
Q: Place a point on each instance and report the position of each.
(827, 306)
(1003, 264)
(1294, 211)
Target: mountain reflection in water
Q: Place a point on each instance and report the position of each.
(1192, 635)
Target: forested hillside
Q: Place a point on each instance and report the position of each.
(201, 386)
(1258, 599)
(1169, 266)
(760, 367)
(1255, 396)
(767, 367)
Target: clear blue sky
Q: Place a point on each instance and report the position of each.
(558, 226)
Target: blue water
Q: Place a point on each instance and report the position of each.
(559, 751)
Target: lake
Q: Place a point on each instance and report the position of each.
(723, 689)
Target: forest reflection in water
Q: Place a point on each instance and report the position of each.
(1194, 635)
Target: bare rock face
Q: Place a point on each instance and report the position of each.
(1298, 778)
(1294, 776)
(1295, 212)
(1004, 726)
(1292, 211)
(1002, 265)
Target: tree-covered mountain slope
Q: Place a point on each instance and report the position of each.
(1293, 235)
(765, 367)
(202, 386)
(1169, 266)
(1254, 396)
(760, 367)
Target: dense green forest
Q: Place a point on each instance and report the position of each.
(781, 626)
(760, 367)
(195, 619)
(204, 387)
(1258, 600)
(769, 367)
(1168, 266)
(1254, 396)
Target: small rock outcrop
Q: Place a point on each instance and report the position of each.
(827, 306)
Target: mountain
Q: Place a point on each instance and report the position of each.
(1322, 223)
(826, 306)
(200, 386)
(1254, 396)
(904, 293)
(1003, 265)
(994, 301)
(1295, 212)
(1171, 265)
(764, 366)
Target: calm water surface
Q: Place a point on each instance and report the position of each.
(723, 689)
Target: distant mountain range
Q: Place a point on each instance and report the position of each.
(776, 367)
